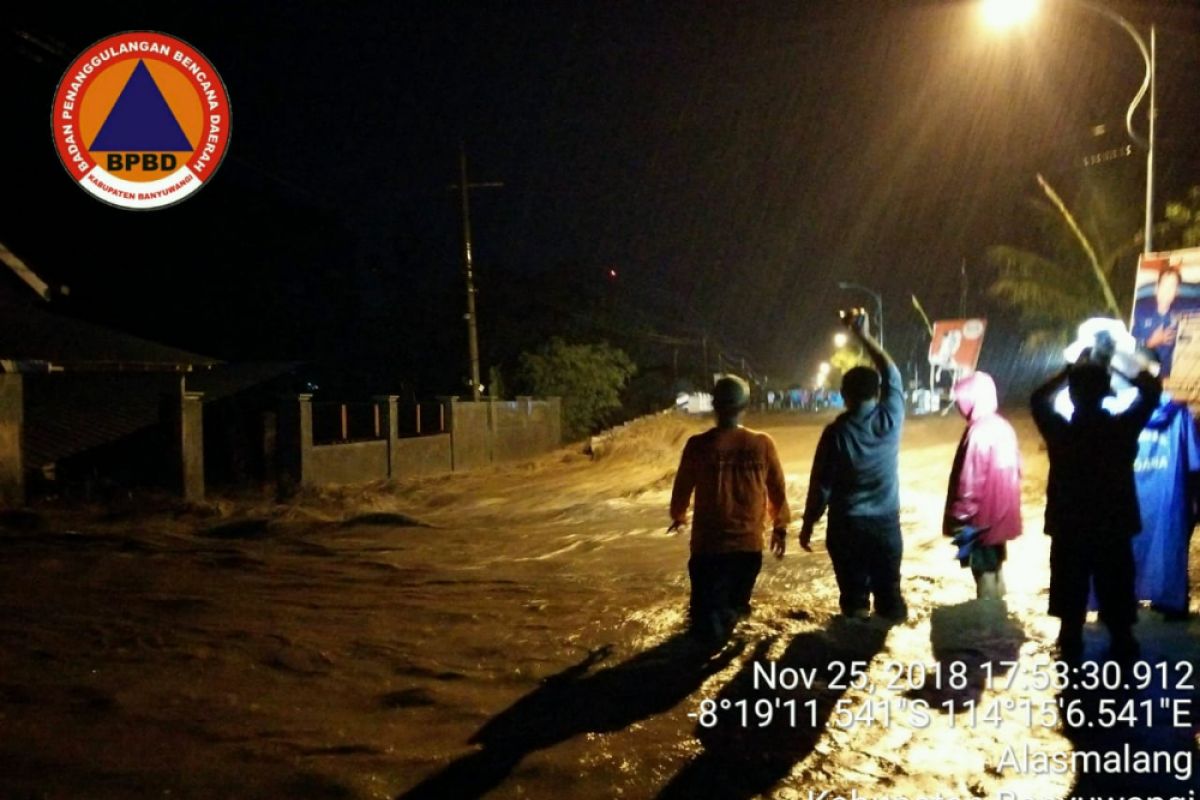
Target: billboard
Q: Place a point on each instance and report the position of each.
(1166, 317)
(955, 344)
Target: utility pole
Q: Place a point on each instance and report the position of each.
(465, 187)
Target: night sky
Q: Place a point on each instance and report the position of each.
(731, 161)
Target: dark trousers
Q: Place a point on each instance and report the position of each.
(1077, 563)
(722, 582)
(866, 554)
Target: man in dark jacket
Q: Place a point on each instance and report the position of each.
(1091, 502)
(855, 474)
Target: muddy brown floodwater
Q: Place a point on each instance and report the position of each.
(517, 633)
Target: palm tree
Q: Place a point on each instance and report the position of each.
(1073, 278)
(1182, 225)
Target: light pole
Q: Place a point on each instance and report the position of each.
(1147, 87)
(878, 302)
(1000, 13)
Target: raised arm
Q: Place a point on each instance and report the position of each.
(1136, 416)
(891, 382)
(1041, 403)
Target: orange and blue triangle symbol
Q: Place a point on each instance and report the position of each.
(141, 121)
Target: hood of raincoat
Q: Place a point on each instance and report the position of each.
(975, 396)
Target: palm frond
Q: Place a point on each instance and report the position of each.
(1085, 243)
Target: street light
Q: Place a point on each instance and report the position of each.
(1005, 13)
(878, 302)
(839, 340)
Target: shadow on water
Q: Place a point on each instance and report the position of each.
(969, 634)
(742, 762)
(576, 701)
(385, 519)
(1170, 703)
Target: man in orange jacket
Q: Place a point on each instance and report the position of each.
(739, 484)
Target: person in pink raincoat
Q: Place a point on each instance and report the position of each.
(985, 482)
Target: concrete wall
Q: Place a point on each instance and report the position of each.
(423, 455)
(492, 431)
(304, 464)
(354, 462)
(521, 430)
(554, 437)
(470, 434)
(12, 414)
(479, 434)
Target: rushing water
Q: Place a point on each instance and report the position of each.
(523, 638)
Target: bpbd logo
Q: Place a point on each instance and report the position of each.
(141, 120)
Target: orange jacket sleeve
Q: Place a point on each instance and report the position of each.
(685, 482)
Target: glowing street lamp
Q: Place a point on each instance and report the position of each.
(1007, 13)
(823, 370)
(839, 340)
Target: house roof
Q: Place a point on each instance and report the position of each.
(30, 334)
(70, 413)
(106, 385)
(32, 338)
(226, 380)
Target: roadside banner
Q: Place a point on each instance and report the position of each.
(1166, 317)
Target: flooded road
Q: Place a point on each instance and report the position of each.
(516, 633)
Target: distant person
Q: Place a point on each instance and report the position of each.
(1167, 471)
(1091, 502)
(1156, 319)
(855, 474)
(985, 482)
(739, 485)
